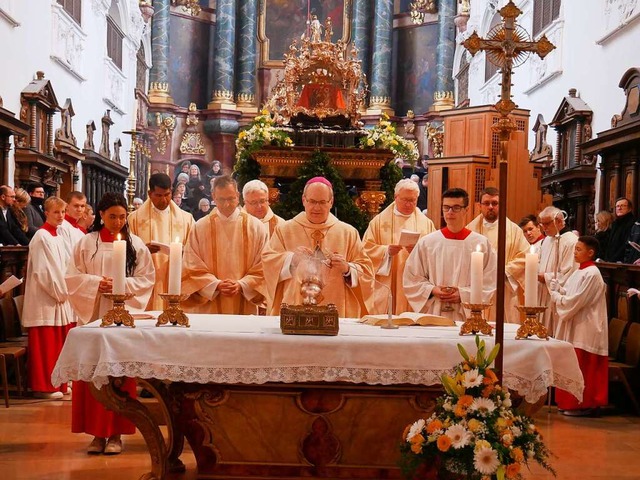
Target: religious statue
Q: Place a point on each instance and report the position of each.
(65, 133)
(105, 150)
(116, 150)
(88, 141)
(328, 30)
(410, 127)
(316, 30)
(191, 139)
(435, 135)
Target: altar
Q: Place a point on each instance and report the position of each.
(254, 403)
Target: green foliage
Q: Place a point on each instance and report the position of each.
(319, 165)
(390, 174)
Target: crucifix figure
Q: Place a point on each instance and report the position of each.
(507, 46)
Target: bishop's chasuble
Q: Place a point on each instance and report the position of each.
(384, 230)
(270, 221)
(516, 249)
(164, 226)
(221, 248)
(349, 294)
(556, 256)
(443, 259)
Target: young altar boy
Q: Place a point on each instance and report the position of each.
(582, 321)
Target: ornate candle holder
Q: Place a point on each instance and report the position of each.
(118, 314)
(532, 324)
(476, 321)
(172, 313)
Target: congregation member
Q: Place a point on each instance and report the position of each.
(137, 203)
(35, 208)
(160, 220)
(316, 232)
(204, 206)
(89, 277)
(18, 212)
(255, 195)
(582, 321)
(532, 232)
(437, 273)
(10, 232)
(632, 253)
(46, 313)
(603, 221)
(87, 220)
(222, 266)
(381, 244)
(516, 247)
(620, 231)
(71, 228)
(556, 259)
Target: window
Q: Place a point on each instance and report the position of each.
(463, 80)
(544, 12)
(114, 42)
(489, 68)
(73, 8)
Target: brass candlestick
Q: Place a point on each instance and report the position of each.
(172, 313)
(118, 314)
(532, 324)
(476, 321)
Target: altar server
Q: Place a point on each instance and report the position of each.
(316, 232)
(46, 313)
(516, 248)
(222, 266)
(556, 259)
(88, 278)
(582, 320)
(437, 273)
(72, 229)
(159, 219)
(381, 244)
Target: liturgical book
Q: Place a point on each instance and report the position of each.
(409, 318)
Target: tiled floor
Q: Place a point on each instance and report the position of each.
(36, 443)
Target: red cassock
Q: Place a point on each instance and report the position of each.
(595, 370)
(90, 416)
(45, 345)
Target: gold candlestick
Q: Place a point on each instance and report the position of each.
(476, 321)
(173, 313)
(118, 314)
(532, 325)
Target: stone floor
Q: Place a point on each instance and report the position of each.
(36, 443)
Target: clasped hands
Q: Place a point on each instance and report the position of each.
(333, 260)
(229, 288)
(446, 294)
(105, 285)
(555, 286)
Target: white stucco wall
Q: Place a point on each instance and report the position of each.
(88, 77)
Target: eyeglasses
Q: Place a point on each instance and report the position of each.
(544, 224)
(255, 203)
(226, 200)
(408, 200)
(317, 203)
(455, 208)
(490, 204)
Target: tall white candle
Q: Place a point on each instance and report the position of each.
(175, 267)
(119, 262)
(531, 278)
(477, 266)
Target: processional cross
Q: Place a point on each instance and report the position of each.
(507, 46)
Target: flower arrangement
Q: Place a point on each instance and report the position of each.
(263, 131)
(474, 432)
(384, 135)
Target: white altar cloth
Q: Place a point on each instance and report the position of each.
(251, 350)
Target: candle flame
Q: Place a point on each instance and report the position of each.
(119, 237)
(177, 240)
(478, 248)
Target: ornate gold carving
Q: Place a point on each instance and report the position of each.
(173, 313)
(246, 100)
(420, 8)
(225, 95)
(435, 136)
(191, 6)
(370, 201)
(532, 324)
(166, 126)
(320, 80)
(159, 93)
(118, 314)
(191, 139)
(476, 323)
(380, 102)
(222, 99)
(442, 101)
(309, 319)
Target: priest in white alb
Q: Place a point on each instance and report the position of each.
(316, 232)
(222, 264)
(255, 196)
(160, 220)
(437, 273)
(46, 313)
(382, 244)
(516, 248)
(556, 259)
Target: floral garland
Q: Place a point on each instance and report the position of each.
(384, 136)
(474, 432)
(263, 131)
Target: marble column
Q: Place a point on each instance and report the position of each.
(159, 74)
(443, 97)
(361, 26)
(246, 67)
(381, 65)
(222, 96)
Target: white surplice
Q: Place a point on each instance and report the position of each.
(90, 262)
(439, 261)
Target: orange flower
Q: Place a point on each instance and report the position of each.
(487, 391)
(465, 401)
(513, 469)
(444, 443)
(489, 377)
(406, 431)
(434, 426)
(460, 411)
(416, 448)
(517, 454)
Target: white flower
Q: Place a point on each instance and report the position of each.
(516, 431)
(506, 402)
(485, 460)
(447, 406)
(472, 378)
(415, 429)
(460, 436)
(483, 406)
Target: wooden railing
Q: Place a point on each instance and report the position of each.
(619, 277)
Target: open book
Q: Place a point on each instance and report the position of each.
(164, 248)
(408, 238)
(408, 318)
(9, 284)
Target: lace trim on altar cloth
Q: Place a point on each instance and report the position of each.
(530, 389)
